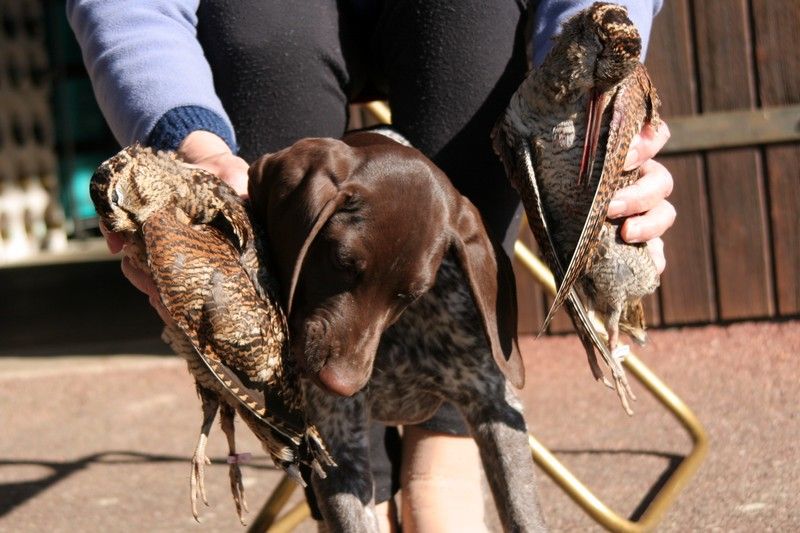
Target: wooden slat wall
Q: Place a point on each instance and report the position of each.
(734, 252)
(735, 181)
(687, 286)
(530, 295)
(777, 45)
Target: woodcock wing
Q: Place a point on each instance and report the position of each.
(193, 234)
(563, 140)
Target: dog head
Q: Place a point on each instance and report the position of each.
(357, 230)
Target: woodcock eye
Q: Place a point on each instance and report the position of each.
(116, 195)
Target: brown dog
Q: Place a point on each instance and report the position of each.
(389, 278)
(360, 232)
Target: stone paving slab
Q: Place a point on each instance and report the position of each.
(101, 443)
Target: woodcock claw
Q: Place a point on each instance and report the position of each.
(197, 485)
(624, 392)
(237, 490)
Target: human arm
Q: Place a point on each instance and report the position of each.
(148, 70)
(152, 80)
(154, 85)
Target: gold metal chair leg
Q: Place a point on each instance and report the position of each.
(599, 511)
(380, 110)
(267, 518)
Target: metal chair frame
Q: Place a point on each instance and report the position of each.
(267, 519)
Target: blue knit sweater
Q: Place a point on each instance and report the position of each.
(154, 85)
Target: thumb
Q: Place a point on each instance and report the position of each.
(236, 176)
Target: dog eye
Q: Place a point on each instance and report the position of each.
(410, 296)
(344, 260)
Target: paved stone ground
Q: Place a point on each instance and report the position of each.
(102, 443)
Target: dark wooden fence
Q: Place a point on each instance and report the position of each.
(734, 251)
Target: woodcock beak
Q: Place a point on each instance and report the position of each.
(595, 105)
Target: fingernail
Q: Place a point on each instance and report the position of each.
(632, 160)
(616, 208)
(632, 233)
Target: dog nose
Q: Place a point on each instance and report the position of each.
(339, 381)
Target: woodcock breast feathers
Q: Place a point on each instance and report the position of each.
(563, 140)
(193, 234)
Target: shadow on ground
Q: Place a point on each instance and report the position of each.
(14, 494)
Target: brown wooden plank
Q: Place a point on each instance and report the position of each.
(778, 54)
(687, 285)
(530, 301)
(356, 119)
(735, 181)
(743, 257)
(777, 38)
(783, 164)
(730, 129)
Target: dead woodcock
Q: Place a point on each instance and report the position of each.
(563, 140)
(192, 233)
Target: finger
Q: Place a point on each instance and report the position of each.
(647, 192)
(139, 278)
(145, 283)
(237, 180)
(229, 168)
(656, 249)
(649, 225)
(114, 241)
(646, 144)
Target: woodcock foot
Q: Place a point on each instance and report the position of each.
(237, 487)
(197, 485)
(226, 418)
(621, 385)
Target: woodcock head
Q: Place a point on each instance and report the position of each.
(601, 47)
(126, 189)
(605, 43)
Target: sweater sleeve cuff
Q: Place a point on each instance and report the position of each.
(174, 125)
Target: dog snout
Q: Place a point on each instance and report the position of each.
(346, 372)
(313, 347)
(341, 381)
(338, 355)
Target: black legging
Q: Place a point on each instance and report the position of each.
(287, 70)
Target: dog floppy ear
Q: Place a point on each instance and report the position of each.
(294, 192)
(491, 280)
(328, 210)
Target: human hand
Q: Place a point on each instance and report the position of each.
(208, 151)
(139, 278)
(644, 202)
